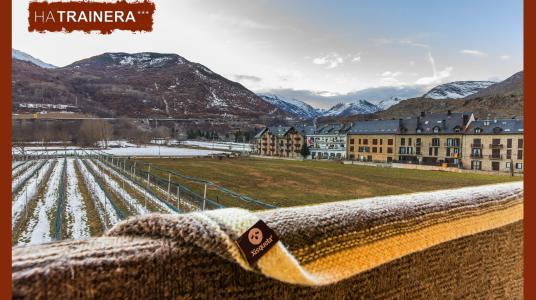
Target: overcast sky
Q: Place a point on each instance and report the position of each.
(310, 45)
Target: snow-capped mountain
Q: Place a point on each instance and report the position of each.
(294, 107)
(16, 54)
(457, 89)
(352, 108)
(139, 85)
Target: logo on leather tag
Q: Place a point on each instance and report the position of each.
(256, 241)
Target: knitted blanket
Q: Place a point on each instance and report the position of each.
(463, 243)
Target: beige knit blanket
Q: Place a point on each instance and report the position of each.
(463, 243)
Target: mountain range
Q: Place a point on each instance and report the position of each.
(168, 85)
(137, 85)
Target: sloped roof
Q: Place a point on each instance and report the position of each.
(333, 129)
(503, 126)
(375, 127)
(447, 123)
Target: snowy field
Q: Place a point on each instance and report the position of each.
(125, 149)
(75, 198)
(220, 145)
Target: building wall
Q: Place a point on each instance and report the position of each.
(371, 147)
(434, 149)
(288, 145)
(327, 146)
(487, 153)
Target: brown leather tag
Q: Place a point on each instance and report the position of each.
(256, 241)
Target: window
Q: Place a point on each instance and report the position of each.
(374, 149)
(509, 143)
(476, 165)
(352, 148)
(409, 141)
(365, 141)
(478, 130)
(381, 149)
(508, 165)
(418, 150)
(436, 129)
(381, 141)
(520, 143)
(390, 142)
(457, 129)
(418, 142)
(509, 154)
(497, 130)
(496, 141)
(436, 151)
(436, 142)
(419, 130)
(402, 141)
(519, 166)
(477, 142)
(430, 151)
(359, 141)
(519, 154)
(486, 123)
(374, 141)
(402, 150)
(453, 142)
(351, 141)
(389, 150)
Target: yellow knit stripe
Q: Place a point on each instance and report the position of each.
(373, 234)
(346, 263)
(280, 264)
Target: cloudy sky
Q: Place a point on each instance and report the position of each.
(315, 50)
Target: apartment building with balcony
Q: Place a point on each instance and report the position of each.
(373, 140)
(433, 138)
(328, 141)
(280, 141)
(494, 145)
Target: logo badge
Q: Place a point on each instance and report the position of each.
(256, 241)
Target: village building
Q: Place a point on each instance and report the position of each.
(494, 145)
(328, 141)
(280, 141)
(433, 139)
(373, 140)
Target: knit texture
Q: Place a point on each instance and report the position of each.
(464, 243)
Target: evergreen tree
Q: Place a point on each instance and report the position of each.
(305, 150)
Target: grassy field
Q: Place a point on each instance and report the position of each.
(290, 183)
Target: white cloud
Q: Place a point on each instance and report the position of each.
(331, 60)
(356, 58)
(436, 77)
(406, 42)
(391, 74)
(505, 57)
(238, 22)
(414, 44)
(473, 52)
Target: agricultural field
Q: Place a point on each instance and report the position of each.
(76, 197)
(289, 183)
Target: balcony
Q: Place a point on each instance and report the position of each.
(496, 146)
(476, 155)
(477, 145)
(495, 157)
(434, 145)
(451, 146)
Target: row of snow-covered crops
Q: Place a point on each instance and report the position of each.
(77, 197)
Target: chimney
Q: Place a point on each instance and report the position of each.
(449, 112)
(422, 113)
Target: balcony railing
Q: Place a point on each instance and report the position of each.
(476, 145)
(433, 145)
(476, 155)
(495, 157)
(451, 145)
(496, 146)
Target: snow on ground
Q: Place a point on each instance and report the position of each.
(74, 205)
(15, 164)
(103, 204)
(150, 150)
(117, 188)
(38, 229)
(27, 193)
(160, 151)
(20, 167)
(220, 145)
(136, 187)
(26, 174)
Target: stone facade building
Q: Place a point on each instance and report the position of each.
(373, 140)
(494, 145)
